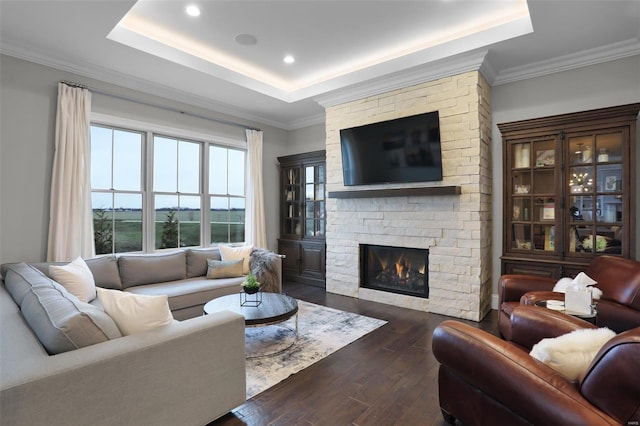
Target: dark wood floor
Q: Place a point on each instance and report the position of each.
(388, 377)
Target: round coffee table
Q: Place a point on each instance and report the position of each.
(274, 308)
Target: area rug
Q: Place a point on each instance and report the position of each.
(321, 331)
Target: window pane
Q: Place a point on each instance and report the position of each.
(219, 220)
(236, 220)
(236, 172)
(127, 222)
(217, 170)
(189, 221)
(101, 204)
(127, 160)
(188, 167)
(100, 157)
(166, 221)
(165, 165)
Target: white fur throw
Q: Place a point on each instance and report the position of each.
(571, 353)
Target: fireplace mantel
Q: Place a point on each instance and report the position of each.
(397, 192)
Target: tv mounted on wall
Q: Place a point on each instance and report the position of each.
(396, 151)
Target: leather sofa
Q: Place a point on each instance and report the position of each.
(618, 278)
(484, 380)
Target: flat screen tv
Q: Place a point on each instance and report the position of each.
(396, 151)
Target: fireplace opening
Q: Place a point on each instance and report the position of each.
(395, 269)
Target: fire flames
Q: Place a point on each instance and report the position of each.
(403, 267)
(403, 272)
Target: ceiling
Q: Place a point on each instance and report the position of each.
(230, 58)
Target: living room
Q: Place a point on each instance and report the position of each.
(601, 76)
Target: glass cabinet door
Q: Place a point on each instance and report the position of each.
(534, 211)
(292, 215)
(596, 193)
(304, 203)
(314, 200)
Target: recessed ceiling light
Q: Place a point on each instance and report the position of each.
(289, 59)
(193, 10)
(246, 39)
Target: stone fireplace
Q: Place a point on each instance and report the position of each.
(395, 269)
(455, 227)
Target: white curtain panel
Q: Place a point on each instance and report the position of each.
(255, 231)
(70, 215)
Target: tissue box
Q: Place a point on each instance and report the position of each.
(577, 301)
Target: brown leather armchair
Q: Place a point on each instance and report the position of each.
(484, 380)
(618, 278)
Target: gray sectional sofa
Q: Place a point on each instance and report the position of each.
(188, 373)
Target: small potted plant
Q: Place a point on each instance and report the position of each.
(250, 285)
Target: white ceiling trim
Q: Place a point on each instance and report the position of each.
(416, 75)
(442, 68)
(129, 82)
(147, 37)
(594, 56)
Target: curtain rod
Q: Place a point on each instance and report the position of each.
(123, 98)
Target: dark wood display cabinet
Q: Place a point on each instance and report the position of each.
(302, 217)
(569, 190)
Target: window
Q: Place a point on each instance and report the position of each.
(226, 194)
(116, 189)
(152, 191)
(177, 193)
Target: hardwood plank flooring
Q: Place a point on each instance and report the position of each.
(388, 377)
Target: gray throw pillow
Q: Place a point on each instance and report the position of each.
(61, 321)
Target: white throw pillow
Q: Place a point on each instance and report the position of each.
(571, 353)
(235, 253)
(135, 313)
(77, 278)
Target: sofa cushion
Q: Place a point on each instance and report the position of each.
(135, 313)
(77, 278)
(224, 268)
(571, 353)
(197, 261)
(234, 253)
(105, 271)
(61, 321)
(192, 291)
(155, 268)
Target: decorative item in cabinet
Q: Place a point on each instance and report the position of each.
(545, 157)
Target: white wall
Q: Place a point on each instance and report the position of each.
(307, 139)
(597, 86)
(28, 105)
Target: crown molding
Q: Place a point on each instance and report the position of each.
(611, 52)
(488, 71)
(129, 82)
(307, 121)
(441, 68)
(427, 72)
